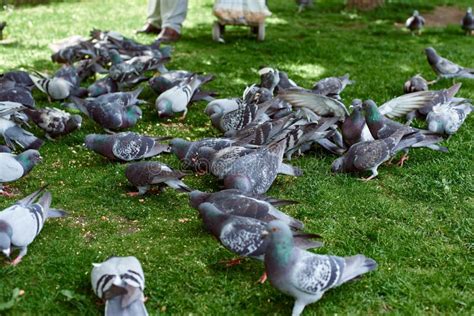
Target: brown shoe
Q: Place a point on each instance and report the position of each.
(168, 35)
(149, 29)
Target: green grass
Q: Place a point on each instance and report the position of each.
(415, 221)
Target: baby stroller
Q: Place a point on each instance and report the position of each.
(250, 13)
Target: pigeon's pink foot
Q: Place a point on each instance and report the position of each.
(4, 192)
(368, 178)
(132, 194)
(263, 278)
(233, 262)
(402, 160)
(16, 261)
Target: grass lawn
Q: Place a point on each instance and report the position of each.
(415, 221)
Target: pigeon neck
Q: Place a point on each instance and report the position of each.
(373, 115)
(25, 162)
(281, 250)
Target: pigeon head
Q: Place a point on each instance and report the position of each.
(180, 147)
(73, 123)
(239, 182)
(133, 113)
(416, 13)
(269, 78)
(281, 241)
(164, 107)
(196, 198)
(469, 10)
(28, 159)
(6, 233)
(436, 126)
(338, 165)
(356, 104)
(372, 113)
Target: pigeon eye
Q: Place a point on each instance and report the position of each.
(274, 229)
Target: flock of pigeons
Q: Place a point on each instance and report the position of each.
(275, 119)
(416, 22)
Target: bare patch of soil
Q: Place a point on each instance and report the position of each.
(443, 16)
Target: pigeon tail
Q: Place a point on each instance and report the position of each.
(45, 200)
(80, 104)
(30, 199)
(356, 266)
(54, 213)
(113, 307)
(290, 170)
(303, 241)
(26, 140)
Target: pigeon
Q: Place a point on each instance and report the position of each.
(369, 155)
(143, 174)
(5, 149)
(445, 68)
(332, 86)
(354, 130)
(302, 4)
(71, 75)
(382, 127)
(120, 282)
(188, 152)
(110, 115)
(304, 275)
(447, 118)
(176, 99)
(54, 122)
(103, 86)
(243, 235)
(217, 108)
(237, 203)
(168, 80)
(56, 88)
(121, 98)
(415, 23)
(11, 132)
(14, 167)
(467, 22)
(18, 94)
(269, 78)
(125, 146)
(20, 78)
(23, 221)
(415, 84)
(255, 172)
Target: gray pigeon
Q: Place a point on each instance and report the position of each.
(5, 149)
(55, 88)
(255, 172)
(102, 86)
(302, 4)
(14, 167)
(447, 118)
(188, 152)
(304, 275)
(269, 78)
(217, 108)
(20, 78)
(237, 203)
(110, 115)
(120, 282)
(144, 174)
(467, 22)
(54, 122)
(23, 221)
(15, 135)
(382, 127)
(332, 86)
(18, 94)
(415, 23)
(243, 235)
(445, 68)
(163, 82)
(415, 84)
(176, 99)
(369, 155)
(125, 146)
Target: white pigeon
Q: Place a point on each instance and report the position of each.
(176, 99)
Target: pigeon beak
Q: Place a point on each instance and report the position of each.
(265, 233)
(7, 252)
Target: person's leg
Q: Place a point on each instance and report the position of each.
(173, 13)
(153, 20)
(153, 13)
